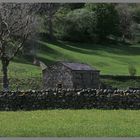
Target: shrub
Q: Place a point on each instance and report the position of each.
(107, 19)
(77, 25)
(132, 70)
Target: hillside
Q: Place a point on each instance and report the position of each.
(110, 59)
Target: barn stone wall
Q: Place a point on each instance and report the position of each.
(86, 79)
(57, 75)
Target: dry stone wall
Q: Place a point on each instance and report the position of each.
(70, 99)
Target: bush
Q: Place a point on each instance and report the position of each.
(107, 19)
(77, 25)
(132, 70)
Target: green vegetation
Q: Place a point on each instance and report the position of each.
(132, 70)
(110, 59)
(101, 33)
(71, 123)
(89, 26)
(74, 27)
(22, 69)
(121, 84)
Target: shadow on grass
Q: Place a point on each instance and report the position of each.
(46, 60)
(84, 48)
(26, 59)
(56, 55)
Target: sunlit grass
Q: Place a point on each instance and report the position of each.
(109, 59)
(71, 123)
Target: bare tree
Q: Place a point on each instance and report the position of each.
(16, 26)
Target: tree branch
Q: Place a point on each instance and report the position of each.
(21, 27)
(19, 47)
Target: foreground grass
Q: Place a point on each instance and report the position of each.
(70, 123)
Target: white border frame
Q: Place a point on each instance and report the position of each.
(72, 1)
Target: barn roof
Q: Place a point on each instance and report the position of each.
(78, 66)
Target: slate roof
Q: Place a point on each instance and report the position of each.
(78, 66)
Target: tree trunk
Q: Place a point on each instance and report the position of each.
(123, 38)
(5, 75)
(50, 16)
(50, 29)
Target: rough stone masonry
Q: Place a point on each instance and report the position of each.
(70, 99)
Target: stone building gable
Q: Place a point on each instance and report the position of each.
(57, 74)
(70, 75)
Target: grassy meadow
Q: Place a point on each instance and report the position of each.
(71, 22)
(109, 59)
(70, 123)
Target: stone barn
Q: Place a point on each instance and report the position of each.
(70, 75)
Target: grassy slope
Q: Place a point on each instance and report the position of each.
(22, 69)
(110, 59)
(70, 123)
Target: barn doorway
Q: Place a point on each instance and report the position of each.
(59, 85)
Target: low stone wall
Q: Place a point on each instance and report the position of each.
(70, 99)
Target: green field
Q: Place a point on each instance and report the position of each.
(71, 123)
(109, 59)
